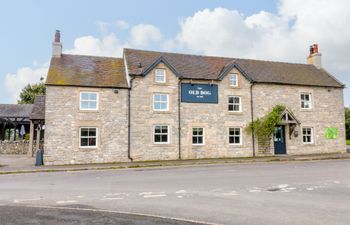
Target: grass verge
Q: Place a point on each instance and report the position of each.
(348, 142)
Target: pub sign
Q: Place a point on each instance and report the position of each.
(199, 93)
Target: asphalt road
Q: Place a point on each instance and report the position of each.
(262, 193)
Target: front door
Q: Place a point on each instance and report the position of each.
(279, 140)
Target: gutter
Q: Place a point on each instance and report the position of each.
(179, 114)
(129, 120)
(252, 115)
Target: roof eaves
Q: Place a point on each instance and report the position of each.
(90, 86)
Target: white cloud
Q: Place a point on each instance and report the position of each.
(121, 24)
(108, 45)
(102, 26)
(281, 36)
(15, 82)
(143, 35)
(285, 35)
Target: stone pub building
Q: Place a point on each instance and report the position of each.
(164, 106)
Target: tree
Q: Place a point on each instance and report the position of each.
(347, 122)
(29, 92)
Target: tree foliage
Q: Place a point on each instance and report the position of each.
(263, 128)
(29, 92)
(347, 122)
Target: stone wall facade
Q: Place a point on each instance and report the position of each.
(214, 118)
(327, 110)
(63, 119)
(14, 147)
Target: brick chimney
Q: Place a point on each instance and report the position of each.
(56, 45)
(314, 57)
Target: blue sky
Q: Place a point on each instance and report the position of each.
(272, 30)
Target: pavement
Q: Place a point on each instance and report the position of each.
(15, 215)
(348, 148)
(25, 164)
(293, 192)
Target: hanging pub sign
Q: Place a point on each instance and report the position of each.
(199, 93)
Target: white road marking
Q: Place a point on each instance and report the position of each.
(114, 196)
(79, 196)
(283, 185)
(111, 198)
(232, 193)
(154, 196)
(26, 200)
(180, 196)
(180, 192)
(254, 190)
(66, 202)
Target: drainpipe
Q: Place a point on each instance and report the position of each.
(252, 115)
(179, 114)
(129, 119)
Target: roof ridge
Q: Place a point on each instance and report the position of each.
(93, 56)
(178, 53)
(219, 57)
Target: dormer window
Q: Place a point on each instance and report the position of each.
(160, 76)
(233, 80)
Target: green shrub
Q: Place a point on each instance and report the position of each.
(263, 128)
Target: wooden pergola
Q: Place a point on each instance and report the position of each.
(13, 116)
(37, 122)
(31, 116)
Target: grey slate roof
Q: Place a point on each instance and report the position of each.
(38, 112)
(210, 67)
(15, 110)
(88, 71)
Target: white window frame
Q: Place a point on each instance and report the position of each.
(154, 134)
(203, 136)
(233, 104)
(80, 137)
(80, 100)
(167, 102)
(311, 135)
(302, 100)
(156, 76)
(240, 135)
(231, 79)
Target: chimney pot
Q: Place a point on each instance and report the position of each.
(311, 50)
(315, 57)
(58, 36)
(56, 45)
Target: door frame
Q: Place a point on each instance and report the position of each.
(284, 140)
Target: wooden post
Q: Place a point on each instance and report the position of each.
(37, 137)
(31, 138)
(2, 137)
(14, 132)
(9, 133)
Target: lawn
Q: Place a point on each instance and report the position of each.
(348, 142)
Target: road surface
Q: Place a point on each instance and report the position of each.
(311, 193)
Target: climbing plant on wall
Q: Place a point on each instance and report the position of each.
(263, 127)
